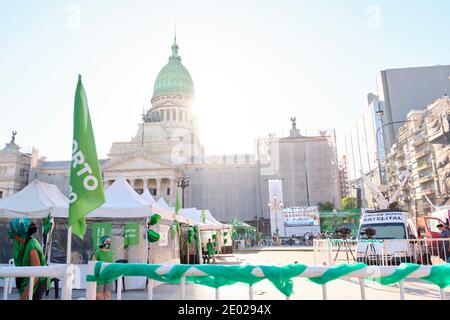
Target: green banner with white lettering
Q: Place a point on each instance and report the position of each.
(86, 185)
(131, 234)
(99, 230)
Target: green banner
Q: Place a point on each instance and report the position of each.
(86, 185)
(132, 234)
(99, 230)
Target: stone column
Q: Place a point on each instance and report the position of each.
(145, 183)
(158, 187)
(132, 183)
(172, 191)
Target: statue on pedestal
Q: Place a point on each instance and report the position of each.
(13, 138)
(295, 133)
(294, 123)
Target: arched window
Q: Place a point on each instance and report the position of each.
(174, 115)
(168, 115)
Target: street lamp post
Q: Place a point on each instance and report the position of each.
(275, 206)
(380, 113)
(183, 183)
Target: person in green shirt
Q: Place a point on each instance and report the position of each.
(104, 254)
(28, 253)
(210, 249)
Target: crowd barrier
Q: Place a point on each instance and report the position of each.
(216, 276)
(60, 271)
(381, 252)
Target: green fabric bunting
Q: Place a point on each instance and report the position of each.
(337, 271)
(112, 271)
(403, 271)
(281, 277)
(439, 275)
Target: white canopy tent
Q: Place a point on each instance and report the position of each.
(162, 204)
(194, 216)
(36, 200)
(122, 202)
(148, 197)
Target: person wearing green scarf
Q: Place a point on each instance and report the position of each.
(104, 254)
(28, 253)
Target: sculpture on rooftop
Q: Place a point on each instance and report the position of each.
(294, 123)
(13, 138)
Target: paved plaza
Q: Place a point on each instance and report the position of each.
(264, 290)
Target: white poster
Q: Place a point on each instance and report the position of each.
(276, 212)
(163, 235)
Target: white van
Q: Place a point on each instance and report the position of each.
(385, 238)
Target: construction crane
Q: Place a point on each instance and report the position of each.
(384, 203)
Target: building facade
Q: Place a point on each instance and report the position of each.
(14, 168)
(343, 177)
(167, 145)
(418, 150)
(372, 136)
(406, 89)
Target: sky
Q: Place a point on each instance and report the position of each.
(254, 63)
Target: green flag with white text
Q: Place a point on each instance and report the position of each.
(177, 205)
(86, 185)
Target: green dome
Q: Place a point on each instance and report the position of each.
(174, 77)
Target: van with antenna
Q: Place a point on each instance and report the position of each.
(387, 237)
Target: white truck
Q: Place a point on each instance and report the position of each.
(387, 238)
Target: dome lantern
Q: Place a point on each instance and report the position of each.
(173, 78)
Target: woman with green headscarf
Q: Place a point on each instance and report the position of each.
(28, 253)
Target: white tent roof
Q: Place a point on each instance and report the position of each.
(162, 203)
(148, 197)
(36, 200)
(122, 202)
(195, 216)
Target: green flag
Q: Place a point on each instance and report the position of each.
(86, 185)
(203, 216)
(177, 205)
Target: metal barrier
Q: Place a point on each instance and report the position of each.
(381, 252)
(309, 272)
(62, 271)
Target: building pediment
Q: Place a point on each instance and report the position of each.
(137, 162)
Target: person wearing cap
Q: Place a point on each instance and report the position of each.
(28, 253)
(104, 254)
(445, 234)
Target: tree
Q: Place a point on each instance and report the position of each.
(349, 203)
(324, 207)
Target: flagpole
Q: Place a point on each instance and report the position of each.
(69, 244)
